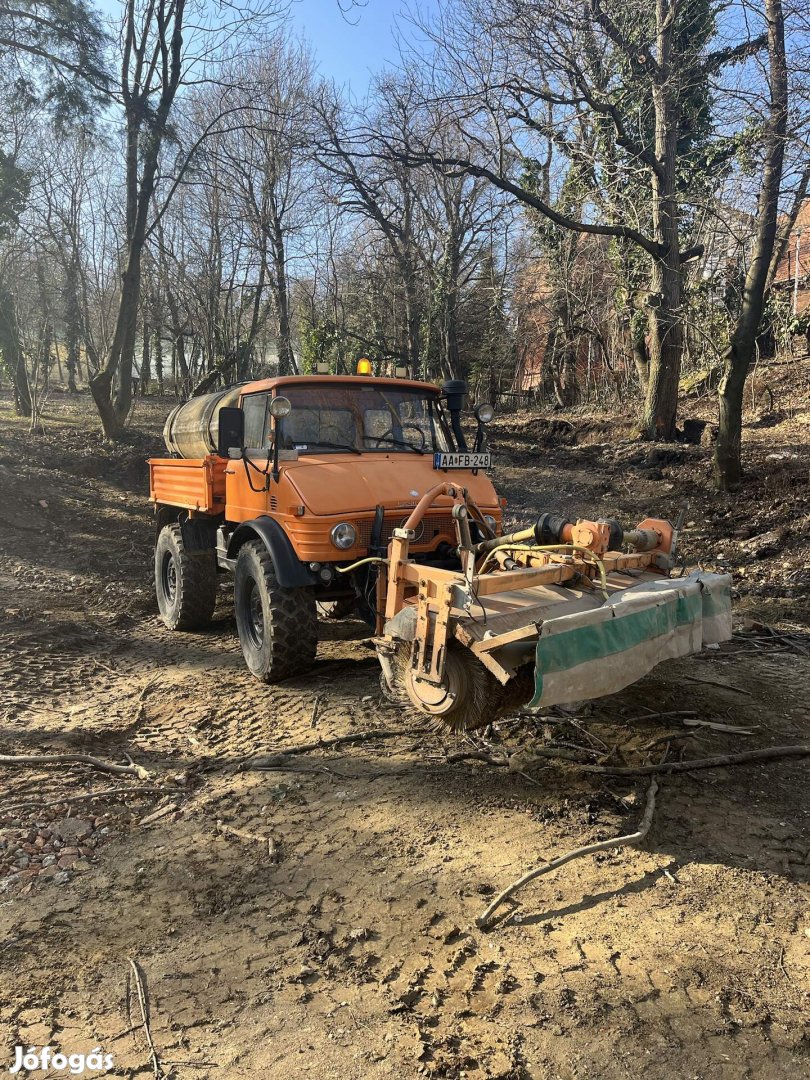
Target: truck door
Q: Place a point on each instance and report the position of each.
(246, 496)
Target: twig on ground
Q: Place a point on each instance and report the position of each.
(142, 698)
(659, 715)
(670, 736)
(313, 720)
(601, 845)
(74, 759)
(143, 789)
(272, 761)
(722, 685)
(139, 986)
(514, 761)
(768, 753)
(730, 728)
(239, 834)
(146, 689)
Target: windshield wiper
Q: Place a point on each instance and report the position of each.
(396, 442)
(335, 446)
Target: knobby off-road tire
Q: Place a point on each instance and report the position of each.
(278, 627)
(185, 582)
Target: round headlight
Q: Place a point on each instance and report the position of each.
(484, 413)
(344, 536)
(490, 520)
(280, 407)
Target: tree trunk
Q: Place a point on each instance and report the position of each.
(740, 351)
(113, 412)
(412, 323)
(12, 350)
(73, 321)
(666, 280)
(146, 357)
(159, 358)
(286, 358)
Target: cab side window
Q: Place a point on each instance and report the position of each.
(255, 409)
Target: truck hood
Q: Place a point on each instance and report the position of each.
(336, 484)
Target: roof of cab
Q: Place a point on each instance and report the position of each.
(352, 380)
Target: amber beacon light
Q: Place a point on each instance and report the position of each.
(363, 366)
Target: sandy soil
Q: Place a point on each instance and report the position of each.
(317, 919)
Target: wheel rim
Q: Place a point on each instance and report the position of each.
(436, 700)
(254, 614)
(168, 576)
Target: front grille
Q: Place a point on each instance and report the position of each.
(430, 527)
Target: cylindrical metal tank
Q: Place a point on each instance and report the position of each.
(190, 430)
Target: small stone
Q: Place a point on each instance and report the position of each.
(49, 860)
(66, 862)
(23, 862)
(81, 864)
(61, 878)
(72, 830)
(765, 544)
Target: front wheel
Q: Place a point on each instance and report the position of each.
(185, 581)
(278, 627)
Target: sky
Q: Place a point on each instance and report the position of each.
(349, 47)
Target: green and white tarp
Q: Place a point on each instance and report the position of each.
(593, 653)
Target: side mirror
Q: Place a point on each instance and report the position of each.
(231, 431)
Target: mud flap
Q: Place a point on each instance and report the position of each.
(593, 653)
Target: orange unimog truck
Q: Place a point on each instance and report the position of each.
(286, 482)
(353, 494)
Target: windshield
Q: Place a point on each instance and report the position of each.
(364, 419)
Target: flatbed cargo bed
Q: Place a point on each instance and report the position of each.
(196, 484)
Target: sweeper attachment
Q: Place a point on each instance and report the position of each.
(558, 612)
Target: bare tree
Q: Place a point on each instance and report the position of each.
(161, 51)
(618, 90)
(740, 351)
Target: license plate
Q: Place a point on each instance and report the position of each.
(461, 460)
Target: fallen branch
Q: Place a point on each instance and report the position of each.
(512, 761)
(239, 834)
(156, 1069)
(769, 753)
(670, 736)
(74, 759)
(141, 789)
(722, 685)
(714, 726)
(659, 715)
(271, 761)
(601, 845)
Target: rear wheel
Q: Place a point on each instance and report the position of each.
(185, 581)
(278, 627)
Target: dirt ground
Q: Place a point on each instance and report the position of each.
(317, 919)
